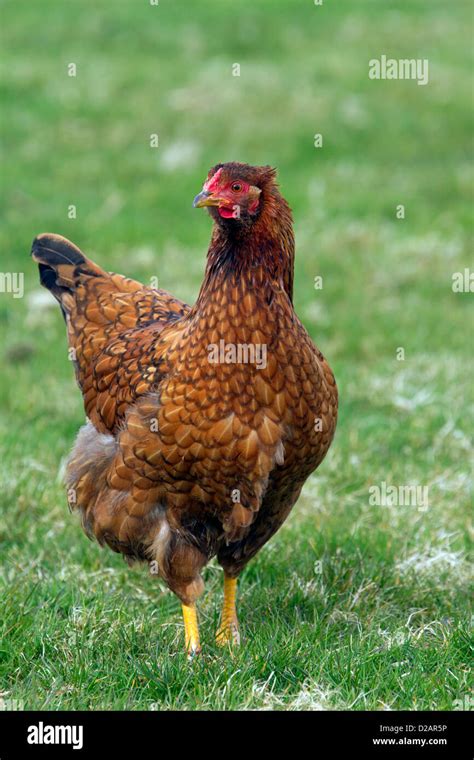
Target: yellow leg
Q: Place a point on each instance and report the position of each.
(191, 630)
(228, 632)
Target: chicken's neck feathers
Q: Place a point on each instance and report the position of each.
(260, 258)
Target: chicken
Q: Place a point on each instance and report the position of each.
(203, 422)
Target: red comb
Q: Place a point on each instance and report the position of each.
(213, 182)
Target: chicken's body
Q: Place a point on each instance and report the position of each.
(204, 422)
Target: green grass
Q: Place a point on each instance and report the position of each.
(350, 605)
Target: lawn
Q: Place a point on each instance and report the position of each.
(352, 605)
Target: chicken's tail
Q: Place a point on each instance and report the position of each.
(61, 263)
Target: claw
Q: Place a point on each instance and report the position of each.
(228, 634)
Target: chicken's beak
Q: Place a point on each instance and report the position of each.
(205, 198)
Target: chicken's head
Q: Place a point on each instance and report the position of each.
(235, 192)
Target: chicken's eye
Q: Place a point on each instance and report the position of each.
(236, 187)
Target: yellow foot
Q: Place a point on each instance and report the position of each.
(191, 630)
(228, 632)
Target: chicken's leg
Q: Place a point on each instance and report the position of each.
(229, 628)
(191, 630)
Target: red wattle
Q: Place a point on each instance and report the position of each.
(226, 213)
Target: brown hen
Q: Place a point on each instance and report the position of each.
(203, 422)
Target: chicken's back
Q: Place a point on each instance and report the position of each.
(114, 327)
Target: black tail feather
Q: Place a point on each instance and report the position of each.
(59, 263)
(55, 250)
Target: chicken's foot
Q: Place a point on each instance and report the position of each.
(228, 632)
(191, 630)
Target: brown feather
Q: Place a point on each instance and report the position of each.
(184, 458)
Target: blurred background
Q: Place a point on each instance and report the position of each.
(394, 578)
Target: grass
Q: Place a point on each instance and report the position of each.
(351, 605)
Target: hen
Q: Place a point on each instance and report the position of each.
(203, 422)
